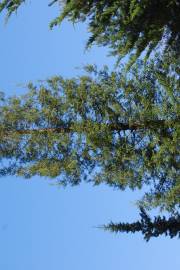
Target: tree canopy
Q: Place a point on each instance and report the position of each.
(127, 27)
(120, 128)
(114, 127)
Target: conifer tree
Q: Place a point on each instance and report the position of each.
(113, 127)
(148, 227)
(126, 26)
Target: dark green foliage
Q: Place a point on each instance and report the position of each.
(126, 26)
(148, 227)
(117, 128)
(10, 5)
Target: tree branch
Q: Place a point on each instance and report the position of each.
(150, 124)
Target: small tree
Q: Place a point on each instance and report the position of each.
(148, 227)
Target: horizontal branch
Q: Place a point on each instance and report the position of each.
(150, 124)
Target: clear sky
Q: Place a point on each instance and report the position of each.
(46, 227)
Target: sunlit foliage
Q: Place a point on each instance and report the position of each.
(113, 127)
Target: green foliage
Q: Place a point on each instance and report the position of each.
(117, 128)
(126, 26)
(10, 6)
(148, 227)
(113, 127)
(130, 26)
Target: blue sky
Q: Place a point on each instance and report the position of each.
(46, 227)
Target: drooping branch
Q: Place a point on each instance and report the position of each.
(52, 3)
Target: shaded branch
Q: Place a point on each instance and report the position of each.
(52, 3)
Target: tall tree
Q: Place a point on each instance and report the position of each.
(113, 127)
(117, 128)
(126, 26)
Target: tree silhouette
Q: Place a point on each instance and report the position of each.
(148, 227)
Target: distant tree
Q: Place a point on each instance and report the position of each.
(126, 26)
(148, 227)
(113, 127)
